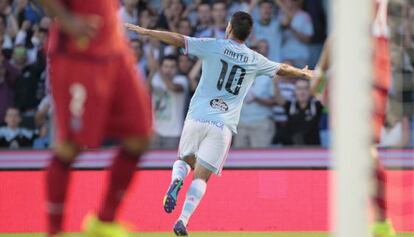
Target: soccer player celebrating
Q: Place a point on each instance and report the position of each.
(96, 94)
(228, 70)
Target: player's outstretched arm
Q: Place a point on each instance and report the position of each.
(167, 37)
(289, 71)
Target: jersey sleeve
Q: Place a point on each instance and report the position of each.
(199, 46)
(266, 67)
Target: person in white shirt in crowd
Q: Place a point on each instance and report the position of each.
(256, 126)
(218, 28)
(128, 13)
(297, 31)
(267, 28)
(12, 136)
(169, 94)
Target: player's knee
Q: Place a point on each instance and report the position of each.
(202, 173)
(190, 160)
(136, 145)
(67, 151)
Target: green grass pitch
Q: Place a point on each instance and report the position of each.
(206, 234)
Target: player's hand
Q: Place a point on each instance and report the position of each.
(136, 28)
(307, 73)
(81, 28)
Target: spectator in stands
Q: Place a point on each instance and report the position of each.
(204, 18)
(185, 64)
(8, 78)
(268, 28)
(128, 13)
(184, 27)
(29, 89)
(218, 28)
(297, 31)
(316, 11)
(12, 136)
(10, 20)
(5, 33)
(238, 5)
(36, 54)
(286, 89)
(171, 15)
(304, 113)
(30, 10)
(169, 92)
(147, 18)
(141, 62)
(44, 124)
(256, 127)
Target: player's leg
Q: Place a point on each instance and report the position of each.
(211, 156)
(57, 180)
(382, 226)
(79, 122)
(194, 195)
(130, 122)
(121, 173)
(188, 146)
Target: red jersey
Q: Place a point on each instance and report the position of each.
(109, 38)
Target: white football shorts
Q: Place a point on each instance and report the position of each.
(208, 141)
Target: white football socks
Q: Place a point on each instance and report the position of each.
(192, 199)
(180, 170)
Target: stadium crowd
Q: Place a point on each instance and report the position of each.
(274, 113)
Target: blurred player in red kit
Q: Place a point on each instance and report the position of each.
(97, 94)
(382, 226)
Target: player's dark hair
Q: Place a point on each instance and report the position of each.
(169, 58)
(241, 24)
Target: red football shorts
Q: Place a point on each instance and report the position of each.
(98, 98)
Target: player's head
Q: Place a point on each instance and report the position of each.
(302, 90)
(169, 66)
(12, 117)
(240, 26)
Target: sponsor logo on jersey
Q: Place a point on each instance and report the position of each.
(219, 104)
